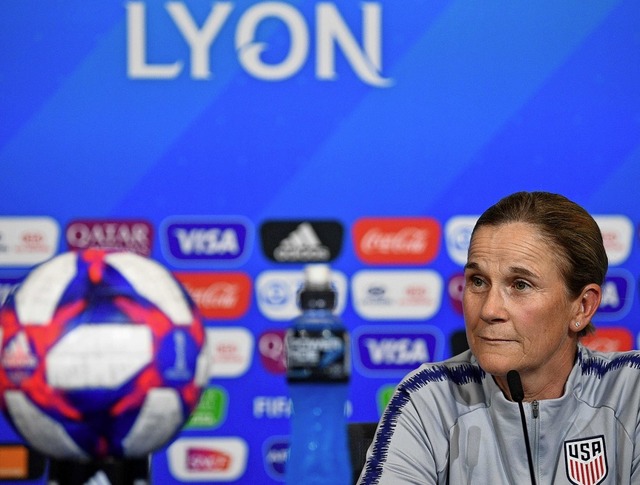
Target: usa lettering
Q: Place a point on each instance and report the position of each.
(585, 451)
(331, 33)
(208, 242)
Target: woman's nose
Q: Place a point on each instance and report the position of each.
(493, 308)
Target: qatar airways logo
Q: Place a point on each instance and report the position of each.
(119, 235)
(396, 241)
(328, 29)
(271, 348)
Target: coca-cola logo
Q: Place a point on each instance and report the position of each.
(397, 241)
(409, 240)
(218, 295)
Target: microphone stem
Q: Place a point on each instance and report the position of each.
(526, 443)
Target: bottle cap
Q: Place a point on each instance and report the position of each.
(317, 292)
(317, 275)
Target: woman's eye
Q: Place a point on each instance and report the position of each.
(475, 281)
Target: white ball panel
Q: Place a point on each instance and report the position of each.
(159, 418)
(38, 296)
(155, 283)
(43, 433)
(99, 356)
(202, 366)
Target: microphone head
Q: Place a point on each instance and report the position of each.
(515, 386)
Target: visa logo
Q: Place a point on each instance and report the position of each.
(276, 457)
(617, 295)
(206, 241)
(396, 352)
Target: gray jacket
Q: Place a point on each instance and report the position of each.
(449, 423)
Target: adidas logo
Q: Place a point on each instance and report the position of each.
(18, 355)
(301, 241)
(303, 244)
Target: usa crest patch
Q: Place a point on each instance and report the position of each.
(586, 460)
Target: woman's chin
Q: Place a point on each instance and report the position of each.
(497, 365)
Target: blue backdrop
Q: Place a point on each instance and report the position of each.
(205, 117)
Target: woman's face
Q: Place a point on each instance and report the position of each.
(517, 310)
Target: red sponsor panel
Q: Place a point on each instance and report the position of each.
(218, 295)
(404, 240)
(206, 460)
(609, 339)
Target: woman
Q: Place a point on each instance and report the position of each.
(533, 279)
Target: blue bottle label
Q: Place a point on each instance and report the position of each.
(318, 355)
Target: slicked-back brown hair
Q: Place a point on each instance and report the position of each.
(566, 226)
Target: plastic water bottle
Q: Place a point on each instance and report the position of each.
(318, 372)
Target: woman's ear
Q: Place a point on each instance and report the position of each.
(589, 302)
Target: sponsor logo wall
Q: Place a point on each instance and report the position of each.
(397, 306)
(234, 143)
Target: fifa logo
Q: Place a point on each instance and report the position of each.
(586, 460)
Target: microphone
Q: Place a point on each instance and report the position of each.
(517, 394)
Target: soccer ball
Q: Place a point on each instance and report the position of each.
(102, 354)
